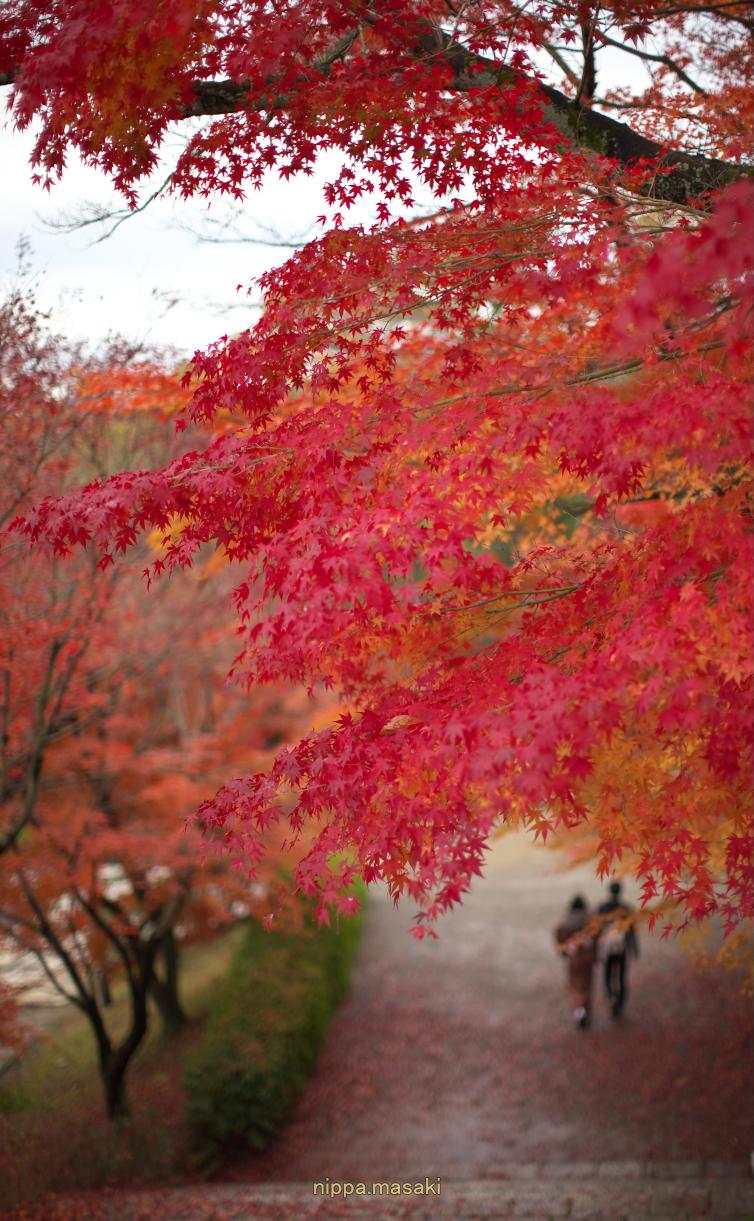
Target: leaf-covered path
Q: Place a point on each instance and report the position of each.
(457, 1058)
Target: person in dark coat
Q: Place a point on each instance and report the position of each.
(617, 939)
(577, 944)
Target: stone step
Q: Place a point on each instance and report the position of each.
(629, 1191)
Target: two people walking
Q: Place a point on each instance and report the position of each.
(583, 937)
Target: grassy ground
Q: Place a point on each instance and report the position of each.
(53, 1134)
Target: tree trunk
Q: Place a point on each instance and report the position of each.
(115, 1059)
(114, 1081)
(112, 1067)
(164, 989)
(103, 985)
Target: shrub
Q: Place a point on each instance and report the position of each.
(264, 1033)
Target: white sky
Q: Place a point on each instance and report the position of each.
(120, 284)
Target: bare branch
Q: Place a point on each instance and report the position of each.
(108, 932)
(658, 59)
(95, 214)
(9, 838)
(562, 63)
(228, 231)
(48, 932)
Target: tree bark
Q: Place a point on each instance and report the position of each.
(114, 1059)
(164, 989)
(113, 1084)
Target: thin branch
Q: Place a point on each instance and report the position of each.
(658, 59)
(607, 373)
(5, 734)
(108, 931)
(9, 838)
(233, 234)
(54, 980)
(57, 439)
(49, 935)
(98, 215)
(527, 594)
(562, 63)
(9, 921)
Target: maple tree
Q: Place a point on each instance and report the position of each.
(106, 883)
(45, 630)
(112, 724)
(484, 464)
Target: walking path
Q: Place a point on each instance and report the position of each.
(457, 1060)
(457, 1057)
(530, 1192)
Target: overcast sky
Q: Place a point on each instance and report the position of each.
(123, 283)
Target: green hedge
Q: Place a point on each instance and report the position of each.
(264, 1032)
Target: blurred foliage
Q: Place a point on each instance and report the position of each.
(264, 1033)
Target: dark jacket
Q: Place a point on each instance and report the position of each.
(621, 911)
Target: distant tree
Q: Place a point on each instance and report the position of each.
(113, 721)
(44, 631)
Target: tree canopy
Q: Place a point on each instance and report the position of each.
(114, 714)
(482, 465)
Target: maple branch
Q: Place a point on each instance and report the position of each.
(606, 373)
(718, 10)
(54, 979)
(581, 127)
(99, 215)
(585, 128)
(107, 930)
(588, 128)
(555, 591)
(84, 964)
(585, 91)
(562, 63)
(55, 441)
(10, 836)
(233, 235)
(5, 734)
